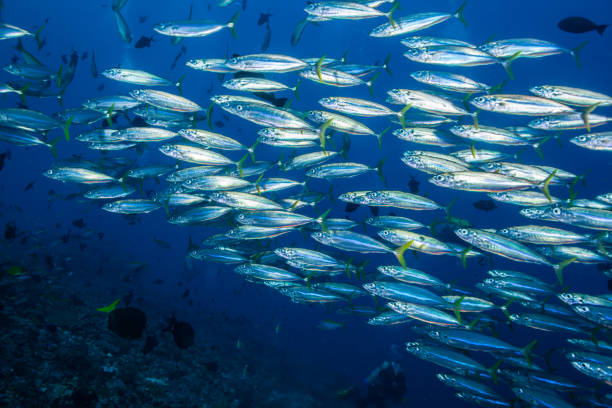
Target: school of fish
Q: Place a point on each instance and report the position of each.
(217, 182)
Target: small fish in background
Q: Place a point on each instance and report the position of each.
(579, 25)
(413, 184)
(4, 156)
(79, 223)
(94, 67)
(178, 56)
(161, 244)
(84, 55)
(264, 18)
(267, 38)
(351, 207)
(29, 185)
(142, 19)
(485, 205)
(329, 325)
(143, 42)
(10, 231)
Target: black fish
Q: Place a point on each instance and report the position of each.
(414, 185)
(143, 42)
(29, 186)
(127, 322)
(79, 223)
(181, 331)
(579, 25)
(84, 56)
(142, 19)
(485, 205)
(178, 56)
(94, 67)
(267, 38)
(185, 294)
(3, 156)
(264, 18)
(10, 232)
(350, 207)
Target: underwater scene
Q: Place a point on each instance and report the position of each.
(249, 203)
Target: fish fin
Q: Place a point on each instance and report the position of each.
(109, 308)
(585, 115)
(390, 13)
(498, 88)
(318, 67)
(448, 207)
(109, 115)
(399, 252)
(209, 115)
(475, 118)
(296, 87)
(545, 185)
(53, 144)
(459, 13)
(257, 183)
(322, 130)
(239, 164)
(601, 28)
(379, 169)
(527, 351)
(504, 309)
(321, 220)
(179, 84)
(346, 146)
(576, 53)
(464, 256)
(456, 309)
(251, 150)
(59, 76)
(330, 193)
(66, 127)
(401, 115)
(231, 24)
(493, 371)
(507, 63)
(559, 268)
(40, 44)
(385, 64)
(297, 32)
(465, 100)
(370, 83)
(379, 136)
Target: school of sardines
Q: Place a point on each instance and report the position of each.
(217, 182)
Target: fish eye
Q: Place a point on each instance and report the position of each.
(239, 108)
(505, 231)
(556, 211)
(582, 138)
(463, 231)
(439, 177)
(233, 60)
(479, 99)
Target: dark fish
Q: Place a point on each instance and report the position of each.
(160, 243)
(264, 18)
(414, 185)
(49, 261)
(100, 235)
(14, 59)
(350, 207)
(105, 122)
(158, 282)
(181, 331)
(267, 38)
(374, 211)
(4, 156)
(178, 56)
(142, 19)
(64, 58)
(185, 294)
(143, 42)
(138, 121)
(10, 232)
(84, 56)
(79, 223)
(609, 284)
(94, 68)
(485, 205)
(127, 322)
(579, 25)
(150, 343)
(100, 87)
(82, 246)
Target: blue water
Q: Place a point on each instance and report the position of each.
(352, 352)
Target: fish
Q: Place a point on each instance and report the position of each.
(579, 25)
(143, 42)
(485, 205)
(195, 28)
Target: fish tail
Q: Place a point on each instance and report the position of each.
(330, 194)
(66, 127)
(321, 220)
(390, 13)
(459, 13)
(209, 115)
(59, 76)
(585, 115)
(545, 185)
(231, 24)
(109, 115)
(466, 99)
(370, 83)
(507, 63)
(379, 169)
(385, 64)
(53, 144)
(257, 183)
(559, 268)
(464, 256)
(401, 115)
(179, 84)
(380, 136)
(538, 146)
(504, 309)
(296, 87)
(318, 67)
(456, 308)
(576, 53)
(251, 150)
(493, 371)
(297, 32)
(40, 44)
(239, 164)
(399, 253)
(109, 308)
(601, 28)
(474, 116)
(344, 57)
(346, 146)
(498, 88)
(527, 351)
(322, 130)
